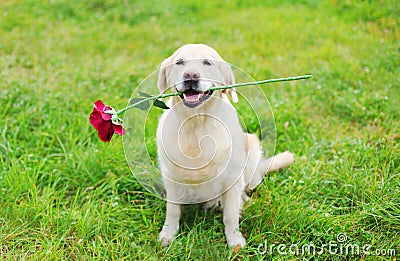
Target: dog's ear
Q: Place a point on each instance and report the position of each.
(229, 80)
(162, 75)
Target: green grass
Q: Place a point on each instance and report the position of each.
(66, 195)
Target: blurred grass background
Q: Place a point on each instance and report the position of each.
(66, 195)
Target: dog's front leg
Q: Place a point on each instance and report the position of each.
(231, 202)
(171, 225)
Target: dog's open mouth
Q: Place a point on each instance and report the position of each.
(192, 98)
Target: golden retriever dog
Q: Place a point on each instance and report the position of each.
(204, 155)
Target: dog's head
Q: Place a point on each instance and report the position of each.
(192, 70)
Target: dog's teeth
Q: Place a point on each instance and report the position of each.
(192, 97)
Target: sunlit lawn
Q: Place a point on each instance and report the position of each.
(66, 195)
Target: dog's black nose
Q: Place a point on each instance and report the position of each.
(192, 75)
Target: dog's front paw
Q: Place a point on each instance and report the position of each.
(167, 235)
(236, 239)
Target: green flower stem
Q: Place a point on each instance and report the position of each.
(148, 99)
(262, 82)
(217, 88)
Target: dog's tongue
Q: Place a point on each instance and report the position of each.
(192, 96)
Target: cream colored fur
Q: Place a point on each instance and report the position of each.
(203, 153)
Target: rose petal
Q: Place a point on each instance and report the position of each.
(106, 131)
(106, 116)
(118, 129)
(96, 120)
(99, 105)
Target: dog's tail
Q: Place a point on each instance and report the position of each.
(257, 166)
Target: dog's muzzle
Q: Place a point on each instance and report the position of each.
(191, 95)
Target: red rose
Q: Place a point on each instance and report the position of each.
(105, 120)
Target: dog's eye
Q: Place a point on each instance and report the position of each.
(180, 62)
(207, 62)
